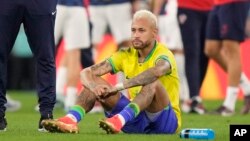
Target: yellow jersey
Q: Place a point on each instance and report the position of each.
(126, 61)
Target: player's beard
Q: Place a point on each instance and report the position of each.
(138, 44)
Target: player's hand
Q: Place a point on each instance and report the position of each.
(111, 91)
(100, 90)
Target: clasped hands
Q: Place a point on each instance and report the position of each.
(103, 91)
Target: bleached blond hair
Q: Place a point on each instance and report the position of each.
(145, 14)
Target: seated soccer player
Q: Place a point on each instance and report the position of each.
(152, 82)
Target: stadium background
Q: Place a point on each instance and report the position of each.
(214, 85)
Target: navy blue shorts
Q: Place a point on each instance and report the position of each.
(164, 123)
(228, 21)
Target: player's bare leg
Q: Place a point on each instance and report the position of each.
(73, 71)
(152, 98)
(223, 53)
(65, 124)
(85, 102)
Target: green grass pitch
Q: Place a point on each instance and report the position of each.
(23, 124)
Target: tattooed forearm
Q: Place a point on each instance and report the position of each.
(90, 75)
(91, 85)
(101, 68)
(144, 78)
(150, 75)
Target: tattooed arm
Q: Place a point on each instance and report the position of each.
(161, 68)
(90, 75)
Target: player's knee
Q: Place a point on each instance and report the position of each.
(153, 86)
(210, 51)
(212, 48)
(103, 81)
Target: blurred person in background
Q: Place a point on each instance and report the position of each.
(115, 14)
(192, 18)
(72, 24)
(248, 25)
(12, 105)
(225, 31)
(169, 34)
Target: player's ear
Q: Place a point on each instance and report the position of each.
(155, 32)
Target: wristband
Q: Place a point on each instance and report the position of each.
(119, 86)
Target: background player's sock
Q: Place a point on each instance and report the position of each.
(60, 83)
(231, 97)
(70, 98)
(184, 90)
(245, 84)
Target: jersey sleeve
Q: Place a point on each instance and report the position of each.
(167, 58)
(116, 61)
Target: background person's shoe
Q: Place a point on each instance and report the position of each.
(193, 105)
(246, 107)
(198, 108)
(40, 126)
(186, 106)
(12, 105)
(223, 111)
(3, 124)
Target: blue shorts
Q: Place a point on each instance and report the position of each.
(228, 21)
(164, 123)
